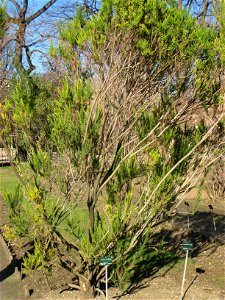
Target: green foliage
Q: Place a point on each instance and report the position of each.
(141, 262)
(39, 259)
(146, 123)
(120, 187)
(29, 105)
(70, 123)
(40, 162)
(16, 214)
(2, 19)
(166, 33)
(219, 11)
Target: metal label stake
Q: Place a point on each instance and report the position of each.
(106, 261)
(187, 247)
(106, 282)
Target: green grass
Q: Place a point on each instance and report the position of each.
(78, 220)
(8, 180)
(9, 183)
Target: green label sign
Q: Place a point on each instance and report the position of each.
(187, 246)
(105, 260)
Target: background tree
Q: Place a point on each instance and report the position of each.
(19, 21)
(2, 20)
(30, 29)
(123, 132)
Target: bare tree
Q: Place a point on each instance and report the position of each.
(201, 9)
(20, 18)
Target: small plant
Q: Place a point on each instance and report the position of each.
(143, 261)
(16, 216)
(39, 259)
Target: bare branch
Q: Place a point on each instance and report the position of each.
(16, 5)
(40, 11)
(25, 6)
(28, 55)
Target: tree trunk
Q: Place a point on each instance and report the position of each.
(179, 4)
(88, 281)
(91, 210)
(20, 40)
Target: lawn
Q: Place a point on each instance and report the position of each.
(8, 184)
(8, 180)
